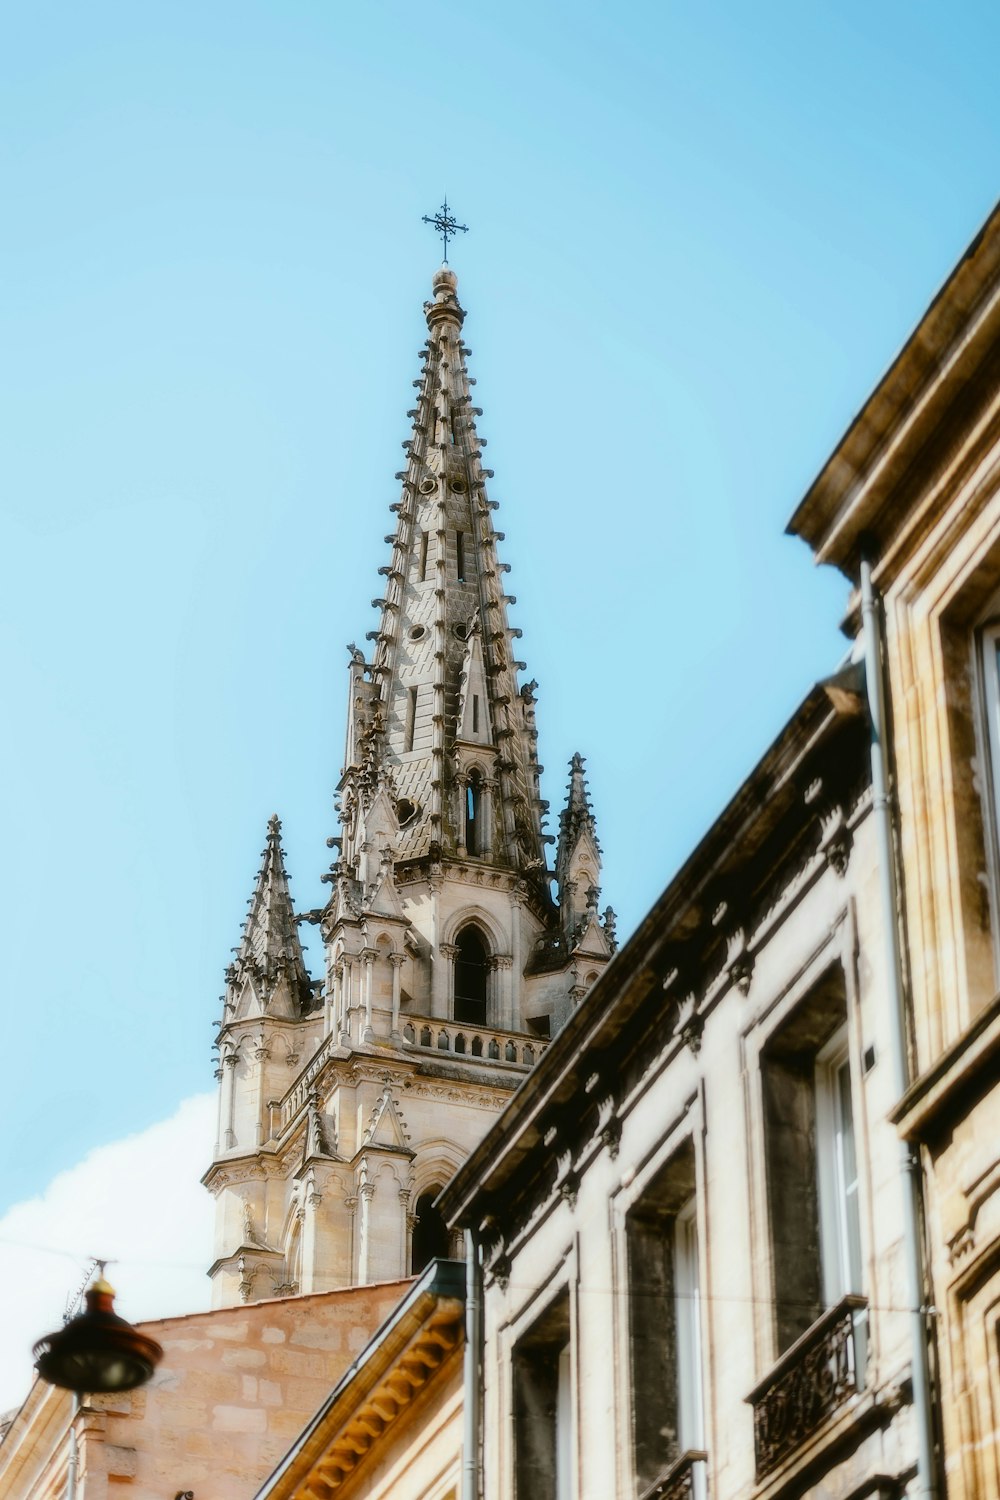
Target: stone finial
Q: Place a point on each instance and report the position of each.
(269, 959)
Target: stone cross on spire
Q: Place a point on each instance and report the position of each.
(446, 225)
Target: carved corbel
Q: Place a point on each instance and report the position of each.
(739, 961)
(496, 1261)
(567, 1180)
(961, 1245)
(689, 1024)
(499, 1269)
(835, 839)
(246, 1279)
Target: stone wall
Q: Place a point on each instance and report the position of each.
(234, 1389)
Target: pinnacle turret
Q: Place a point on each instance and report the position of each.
(578, 862)
(575, 819)
(269, 971)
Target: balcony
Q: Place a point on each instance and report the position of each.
(811, 1381)
(474, 1043)
(684, 1480)
(296, 1097)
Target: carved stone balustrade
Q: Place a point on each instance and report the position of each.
(298, 1095)
(811, 1381)
(684, 1480)
(475, 1043)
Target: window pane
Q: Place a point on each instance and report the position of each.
(848, 1174)
(687, 1292)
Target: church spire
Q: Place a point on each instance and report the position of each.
(448, 962)
(456, 730)
(268, 974)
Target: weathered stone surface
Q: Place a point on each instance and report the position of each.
(219, 1412)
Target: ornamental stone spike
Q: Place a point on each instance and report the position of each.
(270, 953)
(578, 854)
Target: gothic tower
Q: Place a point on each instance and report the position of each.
(346, 1104)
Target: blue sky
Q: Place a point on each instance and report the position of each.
(699, 235)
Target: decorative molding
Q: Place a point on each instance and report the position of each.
(835, 839)
(739, 960)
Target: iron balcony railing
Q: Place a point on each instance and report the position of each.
(684, 1480)
(811, 1381)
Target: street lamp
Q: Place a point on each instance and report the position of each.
(97, 1351)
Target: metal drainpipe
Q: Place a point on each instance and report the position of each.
(471, 1467)
(909, 1160)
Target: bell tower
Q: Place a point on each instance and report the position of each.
(347, 1103)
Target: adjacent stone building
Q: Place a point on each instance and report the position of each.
(233, 1390)
(739, 1231)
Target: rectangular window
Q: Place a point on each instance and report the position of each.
(543, 1408)
(811, 1162)
(475, 713)
(837, 1166)
(460, 555)
(665, 1324)
(820, 1316)
(687, 1321)
(423, 556)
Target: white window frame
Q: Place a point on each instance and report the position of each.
(838, 1191)
(687, 1322)
(687, 1327)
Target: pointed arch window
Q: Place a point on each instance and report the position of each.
(474, 813)
(430, 1233)
(471, 977)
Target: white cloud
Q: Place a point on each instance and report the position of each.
(138, 1201)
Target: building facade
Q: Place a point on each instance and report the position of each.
(739, 1232)
(346, 1104)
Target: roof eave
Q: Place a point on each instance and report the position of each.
(961, 324)
(623, 985)
(442, 1284)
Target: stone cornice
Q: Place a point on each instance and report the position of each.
(418, 1341)
(862, 487)
(929, 1103)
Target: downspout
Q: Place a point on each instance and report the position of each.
(472, 1396)
(909, 1164)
